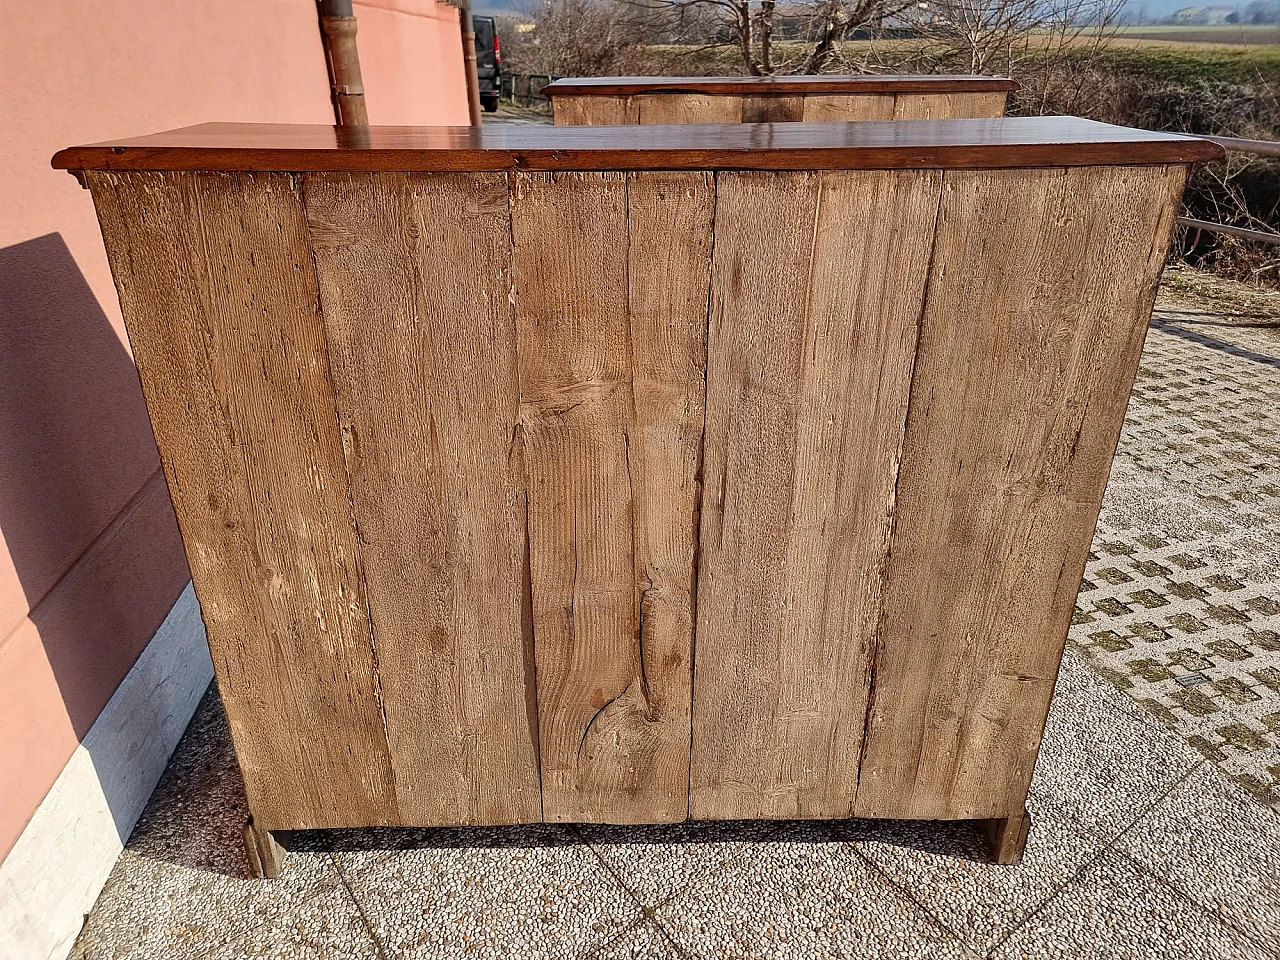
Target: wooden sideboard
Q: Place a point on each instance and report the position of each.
(654, 100)
(636, 474)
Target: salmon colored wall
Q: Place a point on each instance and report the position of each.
(90, 560)
(411, 60)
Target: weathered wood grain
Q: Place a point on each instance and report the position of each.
(809, 370)
(837, 107)
(219, 295)
(772, 109)
(1030, 338)
(1006, 837)
(610, 348)
(415, 284)
(653, 108)
(266, 850)
(948, 106)
(593, 111)
(427, 432)
(668, 274)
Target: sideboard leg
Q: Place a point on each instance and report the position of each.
(1007, 837)
(266, 849)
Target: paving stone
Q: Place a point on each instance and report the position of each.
(644, 940)
(943, 867)
(302, 937)
(182, 887)
(526, 892)
(1218, 846)
(655, 863)
(196, 815)
(1115, 911)
(153, 909)
(1101, 764)
(802, 900)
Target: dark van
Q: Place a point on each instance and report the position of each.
(488, 62)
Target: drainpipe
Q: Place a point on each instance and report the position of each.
(338, 27)
(469, 60)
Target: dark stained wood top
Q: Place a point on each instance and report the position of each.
(777, 86)
(864, 145)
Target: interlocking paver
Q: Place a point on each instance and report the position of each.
(1182, 590)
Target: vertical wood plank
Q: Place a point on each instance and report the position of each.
(668, 276)
(1040, 292)
(686, 108)
(949, 106)
(816, 294)
(772, 109)
(219, 295)
(834, 107)
(415, 281)
(610, 379)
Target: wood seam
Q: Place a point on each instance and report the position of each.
(530, 638)
(699, 480)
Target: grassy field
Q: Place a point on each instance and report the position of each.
(1224, 35)
(1169, 59)
(1184, 63)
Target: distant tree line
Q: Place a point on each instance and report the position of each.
(1261, 11)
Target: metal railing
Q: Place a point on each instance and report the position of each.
(525, 88)
(1266, 148)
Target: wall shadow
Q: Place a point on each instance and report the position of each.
(84, 512)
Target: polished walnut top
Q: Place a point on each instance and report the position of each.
(778, 86)
(865, 145)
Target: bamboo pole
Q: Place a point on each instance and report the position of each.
(338, 26)
(469, 61)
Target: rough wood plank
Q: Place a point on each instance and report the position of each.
(835, 107)
(772, 109)
(415, 285)
(668, 275)
(218, 291)
(1006, 838)
(593, 111)
(654, 108)
(1040, 292)
(265, 849)
(610, 371)
(948, 106)
(808, 378)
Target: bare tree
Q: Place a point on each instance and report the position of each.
(978, 36)
(582, 38)
(815, 29)
(1000, 35)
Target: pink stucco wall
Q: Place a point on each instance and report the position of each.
(90, 560)
(411, 54)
